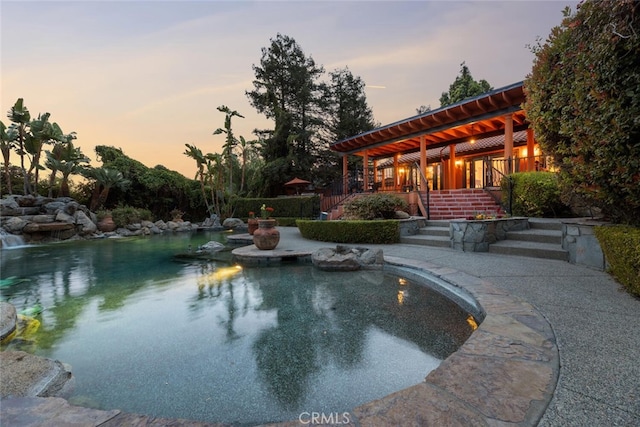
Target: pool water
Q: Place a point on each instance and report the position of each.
(210, 341)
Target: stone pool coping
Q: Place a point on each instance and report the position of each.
(504, 374)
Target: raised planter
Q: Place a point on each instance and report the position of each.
(475, 235)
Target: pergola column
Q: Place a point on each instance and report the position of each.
(423, 161)
(452, 167)
(345, 172)
(375, 174)
(508, 141)
(531, 155)
(396, 184)
(365, 170)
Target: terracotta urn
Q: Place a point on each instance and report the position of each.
(106, 224)
(267, 236)
(252, 225)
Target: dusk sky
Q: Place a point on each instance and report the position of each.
(147, 76)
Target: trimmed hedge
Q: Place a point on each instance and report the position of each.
(377, 231)
(621, 247)
(374, 206)
(535, 194)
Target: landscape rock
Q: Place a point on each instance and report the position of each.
(211, 246)
(233, 223)
(62, 216)
(54, 207)
(14, 224)
(402, 215)
(346, 258)
(88, 226)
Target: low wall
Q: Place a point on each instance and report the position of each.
(580, 241)
(477, 235)
(411, 226)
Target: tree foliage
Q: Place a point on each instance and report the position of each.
(463, 87)
(308, 114)
(133, 184)
(583, 101)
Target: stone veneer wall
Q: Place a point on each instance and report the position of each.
(477, 235)
(583, 246)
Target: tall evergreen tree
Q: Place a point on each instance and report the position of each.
(463, 87)
(347, 114)
(287, 90)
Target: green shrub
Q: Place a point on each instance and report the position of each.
(621, 247)
(382, 231)
(123, 215)
(583, 102)
(374, 206)
(535, 194)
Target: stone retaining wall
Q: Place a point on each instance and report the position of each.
(583, 246)
(477, 235)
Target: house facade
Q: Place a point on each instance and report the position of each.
(471, 144)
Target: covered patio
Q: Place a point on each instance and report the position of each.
(469, 144)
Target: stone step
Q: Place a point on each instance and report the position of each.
(423, 240)
(529, 249)
(539, 235)
(546, 223)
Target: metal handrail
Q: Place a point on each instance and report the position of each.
(423, 179)
(509, 184)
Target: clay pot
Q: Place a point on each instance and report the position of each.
(266, 237)
(252, 225)
(106, 224)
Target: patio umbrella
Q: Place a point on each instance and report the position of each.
(297, 182)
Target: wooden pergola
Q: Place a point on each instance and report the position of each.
(498, 112)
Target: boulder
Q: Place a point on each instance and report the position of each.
(65, 217)
(345, 258)
(87, 226)
(14, 224)
(161, 224)
(211, 246)
(54, 207)
(9, 207)
(402, 215)
(43, 219)
(71, 208)
(233, 223)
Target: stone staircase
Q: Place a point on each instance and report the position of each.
(542, 240)
(435, 233)
(461, 203)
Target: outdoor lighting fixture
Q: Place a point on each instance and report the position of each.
(473, 139)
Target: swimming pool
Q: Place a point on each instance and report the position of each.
(214, 342)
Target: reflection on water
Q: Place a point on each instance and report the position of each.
(213, 342)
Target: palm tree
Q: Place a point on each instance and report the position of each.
(8, 138)
(245, 148)
(231, 141)
(19, 114)
(214, 177)
(43, 132)
(66, 158)
(105, 180)
(196, 154)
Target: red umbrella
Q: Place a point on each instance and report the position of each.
(297, 182)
